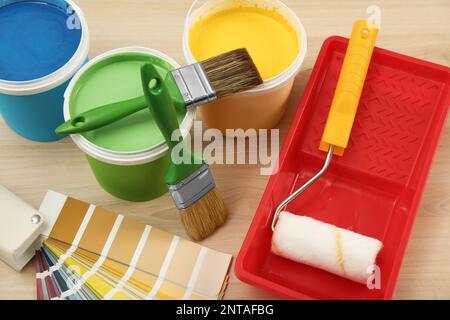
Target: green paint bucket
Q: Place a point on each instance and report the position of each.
(129, 157)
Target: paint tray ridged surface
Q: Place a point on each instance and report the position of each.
(374, 189)
(91, 253)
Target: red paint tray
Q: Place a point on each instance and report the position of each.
(374, 189)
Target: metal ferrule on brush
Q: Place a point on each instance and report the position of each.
(194, 85)
(193, 188)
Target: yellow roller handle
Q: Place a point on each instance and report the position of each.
(350, 84)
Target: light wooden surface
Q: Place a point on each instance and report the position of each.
(416, 28)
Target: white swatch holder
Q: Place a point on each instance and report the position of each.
(20, 229)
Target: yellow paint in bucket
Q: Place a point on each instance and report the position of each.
(271, 41)
(277, 41)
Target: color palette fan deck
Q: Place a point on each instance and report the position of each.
(91, 253)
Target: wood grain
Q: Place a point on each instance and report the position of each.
(415, 28)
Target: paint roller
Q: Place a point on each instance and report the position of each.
(312, 242)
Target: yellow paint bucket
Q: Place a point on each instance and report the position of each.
(264, 106)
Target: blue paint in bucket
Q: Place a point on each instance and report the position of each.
(42, 45)
(35, 40)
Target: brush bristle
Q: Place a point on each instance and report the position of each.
(232, 72)
(205, 216)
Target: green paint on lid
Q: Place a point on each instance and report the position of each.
(113, 79)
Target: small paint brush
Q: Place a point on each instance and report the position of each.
(226, 74)
(199, 83)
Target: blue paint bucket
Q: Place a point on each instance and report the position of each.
(42, 45)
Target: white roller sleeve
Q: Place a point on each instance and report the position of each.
(324, 246)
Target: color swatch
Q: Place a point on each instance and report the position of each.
(92, 253)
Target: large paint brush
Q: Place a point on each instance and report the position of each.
(190, 182)
(199, 83)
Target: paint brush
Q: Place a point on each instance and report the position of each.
(190, 183)
(199, 83)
